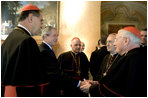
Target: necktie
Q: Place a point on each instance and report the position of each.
(110, 62)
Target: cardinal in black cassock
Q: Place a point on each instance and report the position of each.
(76, 65)
(20, 66)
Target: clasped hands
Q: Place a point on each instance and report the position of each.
(85, 85)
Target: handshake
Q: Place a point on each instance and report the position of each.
(85, 85)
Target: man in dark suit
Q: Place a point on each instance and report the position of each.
(143, 34)
(128, 77)
(110, 58)
(20, 69)
(143, 44)
(97, 57)
(50, 66)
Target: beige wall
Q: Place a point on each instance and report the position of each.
(78, 19)
(118, 14)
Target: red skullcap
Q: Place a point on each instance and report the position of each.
(30, 7)
(75, 38)
(133, 30)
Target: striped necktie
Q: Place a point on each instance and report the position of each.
(110, 62)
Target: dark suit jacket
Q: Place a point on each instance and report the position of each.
(96, 60)
(50, 65)
(50, 68)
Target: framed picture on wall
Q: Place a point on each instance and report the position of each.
(10, 11)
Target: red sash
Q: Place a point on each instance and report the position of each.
(10, 91)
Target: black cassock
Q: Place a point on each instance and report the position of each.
(126, 77)
(76, 67)
(106, 65)
(20, 64)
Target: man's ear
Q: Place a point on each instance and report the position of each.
(30, 17)
(127, 41)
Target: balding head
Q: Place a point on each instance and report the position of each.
(75, 45)
(82, 46)
(110, 44)
(126, 41)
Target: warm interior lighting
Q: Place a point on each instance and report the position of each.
(79, 18)
(72, 10)
(68, 42)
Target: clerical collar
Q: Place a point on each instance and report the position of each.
(47, 45)
(113, 54)
(24, 28)
(74, 53)
(142, 45)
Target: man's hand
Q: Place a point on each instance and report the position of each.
(93, 82)
(83, 82)
(85, 87)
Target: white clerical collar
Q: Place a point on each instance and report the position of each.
(24, 28)
(47, 45)
(112, 54)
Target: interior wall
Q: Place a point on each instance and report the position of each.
(78, 19)
(118, 14)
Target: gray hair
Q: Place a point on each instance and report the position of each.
(112, 34)
(46, 31)
(134, 39)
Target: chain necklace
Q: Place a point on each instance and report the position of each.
(77, 63)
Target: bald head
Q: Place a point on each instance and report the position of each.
(82, 46)
(76, 45)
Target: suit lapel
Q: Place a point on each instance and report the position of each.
(48, 49)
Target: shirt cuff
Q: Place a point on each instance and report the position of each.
(78, 84)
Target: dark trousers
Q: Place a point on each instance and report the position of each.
(51, 91)
(29, 91)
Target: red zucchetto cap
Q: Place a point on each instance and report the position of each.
(133, 30)
(30, 7)
(75, 38)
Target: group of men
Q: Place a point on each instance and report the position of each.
(123, 72)
(62, 73)
(29, 70)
